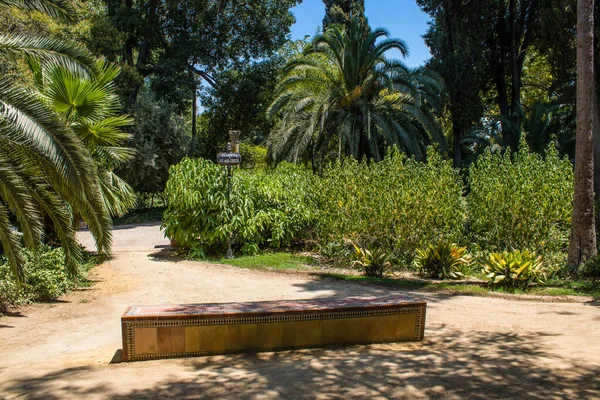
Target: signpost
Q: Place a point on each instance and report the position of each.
(228, 159)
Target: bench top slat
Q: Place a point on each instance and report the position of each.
(269, 307)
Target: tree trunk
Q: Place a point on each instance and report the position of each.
(596, 130)
(456, 125)
(192, 151)
(583, 233)
(596, 115)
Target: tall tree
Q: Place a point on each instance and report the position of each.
(342, 11)
(178, 40)
(492, 39)
(583, 233)
(345, 97)
(457, 46)
(160, 139)
(512, 34)
(240, 98)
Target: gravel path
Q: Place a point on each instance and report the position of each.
(474, 347)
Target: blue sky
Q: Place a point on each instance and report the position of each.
(402, 18)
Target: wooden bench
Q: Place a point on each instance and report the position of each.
(202, 329)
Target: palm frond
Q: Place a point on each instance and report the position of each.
(52, 51)
(59, 9)
(11, 244)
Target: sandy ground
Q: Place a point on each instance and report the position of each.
(474, 347)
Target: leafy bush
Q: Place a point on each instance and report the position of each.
(45, 278)
(590, 270)
(253, 156)
(267, 208)
(443, 261)
(373, 263)
(160, 140)
(523, 202)
(515, 269)
(46, 274)
(399, 204)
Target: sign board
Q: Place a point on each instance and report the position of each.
(229, 158)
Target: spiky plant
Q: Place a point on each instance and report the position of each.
(514, 269)
(373, 263)
(443, 261)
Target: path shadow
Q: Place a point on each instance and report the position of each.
(166, 255)
(53, 301)
(593, 303)
(16, 314)
(343, 288)
(449, 364)
(131, 226)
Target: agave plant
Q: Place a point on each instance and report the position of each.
(45, 169)
(344, 95)
(89, 106)
(372, 263)
(515, 269)
(444, 260)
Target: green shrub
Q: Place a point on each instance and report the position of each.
(443, 261)
(523, 202)
(46, 274)
(515, 269)
(10, 293)
(398, 204)
(590, 270)
(46, 278)
(268, 208)
(253, 156)
(373, 263)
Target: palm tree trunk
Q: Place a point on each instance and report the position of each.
(583, 233)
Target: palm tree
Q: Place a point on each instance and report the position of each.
(344, 96)
(89, 106)
(45, 169)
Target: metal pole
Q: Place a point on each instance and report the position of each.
(229, 251)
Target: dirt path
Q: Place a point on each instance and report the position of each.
(474, 347)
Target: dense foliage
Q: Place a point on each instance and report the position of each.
(521, 201)
(590, 270)
(46, 278)
(160, 138)
(398, 204)
(396, 209)
(267, 209)
(175, 43)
